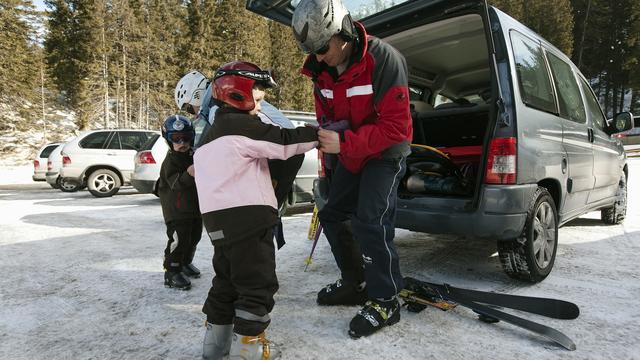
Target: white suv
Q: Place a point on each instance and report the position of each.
(102, 159)
(40, 162)
(147, 165)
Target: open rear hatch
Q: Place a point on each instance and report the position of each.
(449, 53)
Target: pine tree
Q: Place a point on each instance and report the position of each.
(88, 54)
(58, 46)
(165, 33)
(243, 35)
(515, 8)
(553, 20)
(200, 43)
(19, 56)
(295, 90)
(607, 48)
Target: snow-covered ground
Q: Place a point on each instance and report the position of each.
(81, 278)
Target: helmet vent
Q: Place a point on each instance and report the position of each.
(236, 96)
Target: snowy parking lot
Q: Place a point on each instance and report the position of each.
(82, 278)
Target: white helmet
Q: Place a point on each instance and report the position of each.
(191, 89)
(314, 22)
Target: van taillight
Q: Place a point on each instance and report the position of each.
(501, 162)
(36, 164)
(145, 157)
(66, 160)
(49, 165)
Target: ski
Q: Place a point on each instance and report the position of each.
(417, 294)
(553, 308)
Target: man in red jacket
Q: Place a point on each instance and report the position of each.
(362, 104)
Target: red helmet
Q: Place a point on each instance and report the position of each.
(234, 81)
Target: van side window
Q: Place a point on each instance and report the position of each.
(533, 77)
(569, 99)
(595, 113)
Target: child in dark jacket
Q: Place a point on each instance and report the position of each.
(179, 199)
(239, 210)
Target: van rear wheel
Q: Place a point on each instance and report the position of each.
(531, 256)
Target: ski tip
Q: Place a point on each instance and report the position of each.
(570, 346)
(570, 312)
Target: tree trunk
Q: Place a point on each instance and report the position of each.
(44, 119)
(634, 100)
(584, 31)
(125, 109)
(606, 98)
(118, 101)
(105, 80)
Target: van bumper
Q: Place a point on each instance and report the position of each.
(501, 214)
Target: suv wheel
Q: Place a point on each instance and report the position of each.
(103, 183)
(615, 214)
(531, 256)
(67, 186)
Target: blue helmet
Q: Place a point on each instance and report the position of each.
(177, 129)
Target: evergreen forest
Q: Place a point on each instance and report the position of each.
(115, 63)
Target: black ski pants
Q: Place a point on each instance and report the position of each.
(244, 284)
(183, 237)
(369, 200)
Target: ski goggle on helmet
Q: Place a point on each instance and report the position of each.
(233, 83)
(177, 129)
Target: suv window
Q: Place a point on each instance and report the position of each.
(533, 77)
(133, 140)
(148, 145)
(595, 113)
(94, 140)
(569, 99)
(47, 151)
(114, 143)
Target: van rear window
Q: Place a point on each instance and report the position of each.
(533, 77)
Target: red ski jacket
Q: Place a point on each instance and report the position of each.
(372, 94)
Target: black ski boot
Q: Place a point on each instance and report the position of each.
(191, 271)
(342, 293)
(176, 279)
(374, 316)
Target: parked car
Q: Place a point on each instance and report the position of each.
(631, 138)
(54, 163)
(147, 164)
(518, 139)
(150, 157)
(40, 162)
(102, 159)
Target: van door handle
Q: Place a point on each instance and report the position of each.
(590, 135)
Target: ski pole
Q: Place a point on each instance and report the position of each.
(313, 247)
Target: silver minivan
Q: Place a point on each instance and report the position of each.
(509, 140)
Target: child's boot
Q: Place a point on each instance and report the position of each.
(252, 348)
(191, 271)
(217, 341)
(175, 279)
